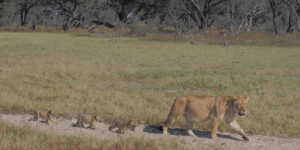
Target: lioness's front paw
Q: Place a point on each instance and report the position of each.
(245, 138)
(215, 137)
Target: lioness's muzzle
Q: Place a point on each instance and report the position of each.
(242, 114)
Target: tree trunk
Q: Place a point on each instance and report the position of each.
(232, 16)
(24, 12)
(276, 19)
(22, 16)
(293, 24)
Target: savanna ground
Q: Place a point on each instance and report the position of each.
(134, 78)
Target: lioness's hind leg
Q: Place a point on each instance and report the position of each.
(189, 127)
(168, 122)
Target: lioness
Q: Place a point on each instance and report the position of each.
(123, 125)
(88, 119)
(45, 114)
(214, 108)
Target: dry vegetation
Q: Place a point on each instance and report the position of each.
(26, 137)
(140, 79)
(152, 33)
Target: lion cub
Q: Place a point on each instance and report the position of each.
(123, 125)
(88, 119)
(45, 114)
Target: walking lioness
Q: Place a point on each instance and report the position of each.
(214, 108)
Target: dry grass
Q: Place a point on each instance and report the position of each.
(26, 137)
(167, 34)
(132, 78)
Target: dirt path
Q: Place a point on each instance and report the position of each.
(226, 140)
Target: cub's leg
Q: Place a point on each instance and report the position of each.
(78, 122)
(81, 124)
(93, 124)
(214, 127)
(124, 131)
(235, 126)
(189, 126)
(50, 117)
(37, 116)
(112, 126)
(34, 117)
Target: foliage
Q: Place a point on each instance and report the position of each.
(233, 15)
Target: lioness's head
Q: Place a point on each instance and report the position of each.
(240, 105)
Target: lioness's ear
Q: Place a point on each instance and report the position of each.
(131, 121)
(95, 117)
(247, 99)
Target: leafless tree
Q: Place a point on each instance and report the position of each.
(276, 14)
(201, 16)
(290, 4)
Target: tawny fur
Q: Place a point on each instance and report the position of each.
(46, 115)
(88, 119)
(123, 125)
(215, 108)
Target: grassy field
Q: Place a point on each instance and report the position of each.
(132, 78)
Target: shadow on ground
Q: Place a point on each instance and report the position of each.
(157, 129)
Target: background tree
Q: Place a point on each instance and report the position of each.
(23, 7)
(181, 15)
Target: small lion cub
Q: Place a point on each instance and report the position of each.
(45, 114)
(88, 119)
(123, 125)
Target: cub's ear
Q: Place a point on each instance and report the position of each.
(247, 99)
(95, 117)
(50, 112)
(234, 98)
(131, 121)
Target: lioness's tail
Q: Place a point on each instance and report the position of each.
(176, 110)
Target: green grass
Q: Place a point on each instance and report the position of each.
(132, 78)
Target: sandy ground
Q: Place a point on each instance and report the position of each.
(226, 140)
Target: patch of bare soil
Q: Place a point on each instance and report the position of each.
(226, 140)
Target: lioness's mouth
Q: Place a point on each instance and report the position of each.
(241, 114)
